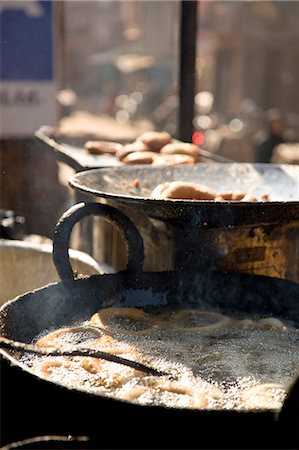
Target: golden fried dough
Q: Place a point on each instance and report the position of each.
(231, 195)
(131, 148)
(183, 190)
(173, 160)
(155, 139)
(133, 320)
(102, 147)
(139, 158)
(180, 148)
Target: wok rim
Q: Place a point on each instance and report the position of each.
(75, 183)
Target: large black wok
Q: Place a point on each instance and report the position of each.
(281, 182)
(33, 406)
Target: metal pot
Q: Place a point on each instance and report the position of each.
(279, 181)
(260, 238)
(44, 407)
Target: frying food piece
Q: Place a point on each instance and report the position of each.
(235, 196)
(109, 344)
(131, 320)
(173, 160)
(102, 147)
(183, 190)
(139, 158)
(91, 365)
(46, 368)
(91, 371)
(265, 197)
(134, 183)
(88, 336)
(196, 394)
(271, 323)
(72, 335)
(155, 140)
(131, 148)
(264, 396)
(197, 320)
(136, 321)
(198, 397)
(231, 195)
(249, 198)
(181, 148)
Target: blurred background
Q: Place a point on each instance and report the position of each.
(114, 68)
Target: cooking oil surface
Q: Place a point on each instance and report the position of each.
(212, 361)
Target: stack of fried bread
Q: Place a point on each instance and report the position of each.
(152, 147)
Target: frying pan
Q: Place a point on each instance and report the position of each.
(45, 407)
(281, 182)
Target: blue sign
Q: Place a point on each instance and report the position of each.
(26, 33)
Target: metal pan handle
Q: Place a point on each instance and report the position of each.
(77, 212)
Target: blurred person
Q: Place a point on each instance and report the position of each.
(275, 134)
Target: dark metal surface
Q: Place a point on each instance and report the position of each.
(281, 182)
(71, 150)
(62, 235)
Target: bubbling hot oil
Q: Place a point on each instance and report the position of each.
(212, 361)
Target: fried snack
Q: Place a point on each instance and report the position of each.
(196, 320)
(89, 336)
(109, 344)
(136, 321)
(155, 140)
(249, 198)
(135, 184)
(91, 365)
(271, 323)
(183, 393)
(173, 160)
(46, 368)
(230, 195)
(139, 158)
(263, 396)
(235, 197)
(181, 148)
(91, 371)
(131, 148)
(102, 147)
(69, 335)
(130, 320)
(183, 190)
(265, 197)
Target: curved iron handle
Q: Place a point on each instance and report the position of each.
(73, 215)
